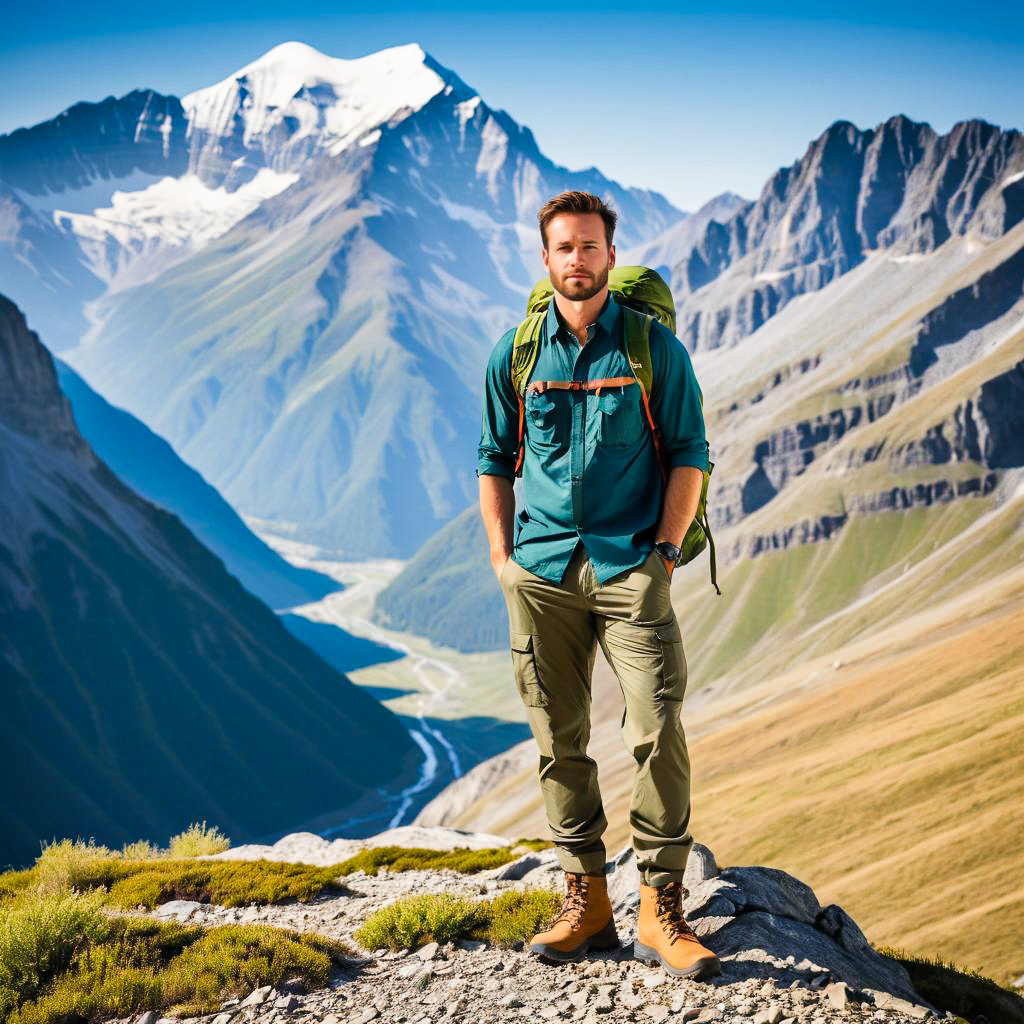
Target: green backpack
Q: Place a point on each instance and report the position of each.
(644, 296)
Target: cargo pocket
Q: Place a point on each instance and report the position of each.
(621, 422)
(524, 662)
(673, 682)
(542, 412)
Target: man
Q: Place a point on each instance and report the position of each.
(595, 548)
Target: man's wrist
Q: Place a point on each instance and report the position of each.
(668, 550)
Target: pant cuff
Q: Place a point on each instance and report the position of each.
(590, 863)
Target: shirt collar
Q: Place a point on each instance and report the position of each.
(606, 318)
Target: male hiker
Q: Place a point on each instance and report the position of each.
(595, 547)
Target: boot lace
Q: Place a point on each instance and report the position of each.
(669, 911)
(575, 900)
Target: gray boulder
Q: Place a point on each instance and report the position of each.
(764, 923)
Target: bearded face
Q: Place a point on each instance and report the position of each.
(580, 285)
(578, 257)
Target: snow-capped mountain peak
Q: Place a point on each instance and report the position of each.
(296, 87)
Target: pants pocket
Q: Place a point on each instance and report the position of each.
(524, 663)
(673, 680)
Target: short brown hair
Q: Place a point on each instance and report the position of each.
(576, 202)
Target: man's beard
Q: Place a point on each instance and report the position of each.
(580, 290)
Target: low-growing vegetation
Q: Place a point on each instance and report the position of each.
(63, 960)
(414, 920)
(131, 880)
(65, 955)
(961, 990)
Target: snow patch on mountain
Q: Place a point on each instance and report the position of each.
(173, 211)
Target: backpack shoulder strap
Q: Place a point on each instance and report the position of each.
(638, 346)
(525, 347)
(637, 333)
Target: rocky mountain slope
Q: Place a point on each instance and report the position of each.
(785, 957)
(297, 277)
(142, 684)
(900, 188)
(151, 468)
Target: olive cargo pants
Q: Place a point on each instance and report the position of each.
(554, 631)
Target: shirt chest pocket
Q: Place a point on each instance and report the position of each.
(542, 413)
(620, 419)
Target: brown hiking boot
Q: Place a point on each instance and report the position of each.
(663, 936)
(584, 922)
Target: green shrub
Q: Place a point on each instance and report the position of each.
(142, 849)
(413, 920)
(60, 865)
(198, 840)
(517, 914)
(40, 934)
(235, 959)
(141, 964)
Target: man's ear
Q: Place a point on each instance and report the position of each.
(611, 256)
(544, 257)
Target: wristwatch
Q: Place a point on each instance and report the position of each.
(667, 550)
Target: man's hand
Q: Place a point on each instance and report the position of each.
(498, 508)
(669, 565)
(498, 561)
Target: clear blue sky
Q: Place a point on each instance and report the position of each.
(690, 102)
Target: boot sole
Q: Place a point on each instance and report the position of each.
(606, 938)
(706, 967)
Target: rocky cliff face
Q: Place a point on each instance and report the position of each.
(900, 187)
(31, 403)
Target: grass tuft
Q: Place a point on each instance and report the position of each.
(198, 840)
(412, 858)
(420, 918)
(41, 932)
(414, 920)
(141, 964)
(517, 914)
(961, 990)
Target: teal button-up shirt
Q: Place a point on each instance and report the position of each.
(590, 472)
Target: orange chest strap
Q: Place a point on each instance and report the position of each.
(540, 386)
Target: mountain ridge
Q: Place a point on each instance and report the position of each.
(900, 186)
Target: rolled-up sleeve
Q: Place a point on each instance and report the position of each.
(675, 404)
(499, 430)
